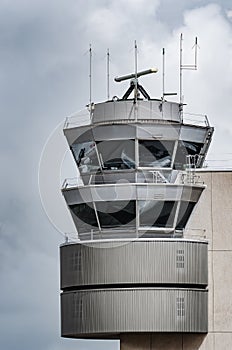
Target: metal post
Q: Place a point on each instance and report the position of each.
(181, 66)
(90, 80)
(136, 71)
(163, 87)
(108, 74)
(136, 81)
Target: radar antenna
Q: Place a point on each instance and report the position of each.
(134, 85)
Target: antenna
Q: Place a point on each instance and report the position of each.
(139, 74)
(90, 79)
(196, 46)
(186, 66)
(163, 70)
(133, 82)
(181, 66)
(108, 74)
(136, 72)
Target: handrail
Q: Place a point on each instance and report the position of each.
(195, 119)
(78, 119)
(183, 178)
(83, 118)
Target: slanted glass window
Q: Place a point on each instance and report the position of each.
(116, 214)
(184, 149)
(117, 154)
(157, 213)
(155, 153)
(84, 217)
(86, 156)
(185, 211)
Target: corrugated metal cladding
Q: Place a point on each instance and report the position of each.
(109, 312)
(131, 262)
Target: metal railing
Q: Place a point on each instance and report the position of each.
(195, 119)
(71, 182)
(183, 178)
(83, 118)
(78, 119)
(157, 177)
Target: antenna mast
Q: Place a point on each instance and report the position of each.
(108, 74)
(90, 79)
(181, 66)
(136, 72)
(163, 87)
(186, 66)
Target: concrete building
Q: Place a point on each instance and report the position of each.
(211, 220)
(149, 265)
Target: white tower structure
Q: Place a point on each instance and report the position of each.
(133, 272)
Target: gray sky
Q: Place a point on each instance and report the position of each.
(44, 77)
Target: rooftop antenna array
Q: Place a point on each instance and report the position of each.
(134, 85)
(186, 66)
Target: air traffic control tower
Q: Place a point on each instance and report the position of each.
(132, 270)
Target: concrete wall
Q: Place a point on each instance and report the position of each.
(211, 219)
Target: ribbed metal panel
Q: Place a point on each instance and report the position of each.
(94, 313)
(132, 262)
(124, 110)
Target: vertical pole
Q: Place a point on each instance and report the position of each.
(196, 45)
(136, 79)
(163, 87)
(90, 80)
(181, 66)
(108, 74)
(136, 70)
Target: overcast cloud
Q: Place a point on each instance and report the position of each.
(44, 77)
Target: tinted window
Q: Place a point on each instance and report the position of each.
(116, 214)
(184, 149)
(154, 153)
(185, 211)
(85, 217)
(117, 155)
(157, 213)
(86, 156)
